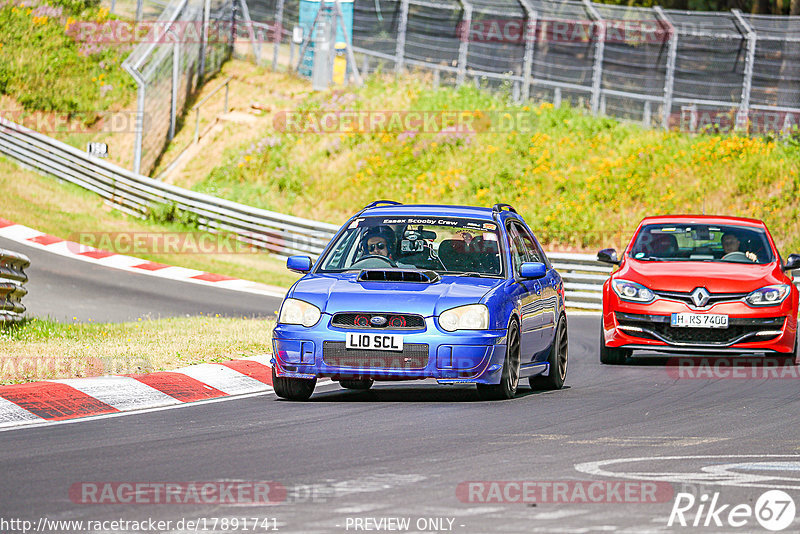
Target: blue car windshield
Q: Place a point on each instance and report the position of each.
(702, 242)
(447, 245)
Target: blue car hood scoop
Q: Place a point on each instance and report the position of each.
(347, 292)
(398, 275)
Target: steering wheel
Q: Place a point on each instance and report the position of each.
(387, 259)
(736, 255)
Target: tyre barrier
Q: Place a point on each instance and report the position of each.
(12, 278)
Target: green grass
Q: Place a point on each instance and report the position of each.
(38, 349)
(579, 181)
(45, 67)
(69, 212)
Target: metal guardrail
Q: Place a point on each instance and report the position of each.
(275, 232)
(12, 278)
(139, 195)
(583, 278)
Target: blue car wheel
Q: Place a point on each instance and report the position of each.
(362, 385)
(557, 361)
(509, 379)
(298, 389)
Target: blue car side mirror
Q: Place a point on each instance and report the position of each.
(298, 264)
(532, 270)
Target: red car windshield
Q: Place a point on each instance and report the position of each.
(702, 242)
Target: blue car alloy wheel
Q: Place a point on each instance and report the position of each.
(462, 295)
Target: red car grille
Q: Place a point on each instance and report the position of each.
(739, 330)
(714, 298)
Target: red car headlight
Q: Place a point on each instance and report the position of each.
(768, 295)
(632, 291)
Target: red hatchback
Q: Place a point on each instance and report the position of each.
(690, 283)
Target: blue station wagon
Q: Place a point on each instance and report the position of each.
(407, 292)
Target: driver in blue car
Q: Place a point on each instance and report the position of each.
(379, 241)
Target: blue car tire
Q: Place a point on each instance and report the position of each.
(509, 379)
(557, 359)
(298, 389)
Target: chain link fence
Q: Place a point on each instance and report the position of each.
(187, 43)
(663, 68)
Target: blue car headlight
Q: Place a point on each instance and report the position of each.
(469, 317)
(768, 295)
(296, 311)
(631, 291)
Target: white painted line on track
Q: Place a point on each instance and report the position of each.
(717, 476)
(65, 248)
(263, 359)
(324, 384)
(20, 233)
(13, 415)
(176, 272)
(118, 261)
(121, 392)
(223, 378)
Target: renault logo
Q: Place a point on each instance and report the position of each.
(378, 320)
(700, 296)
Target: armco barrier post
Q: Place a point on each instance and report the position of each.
(747, 78)
(278, 35)
(463, 46)
(530, 41)
(400, 49)
(669, 75)
(599, 26)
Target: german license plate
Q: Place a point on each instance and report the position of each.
(371, 341)
(699, 320)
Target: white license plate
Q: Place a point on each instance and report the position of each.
(370, 341)
(699, 320)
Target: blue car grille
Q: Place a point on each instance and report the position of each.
(413, 356)
(394, 321)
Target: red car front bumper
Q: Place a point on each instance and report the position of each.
(647, 327)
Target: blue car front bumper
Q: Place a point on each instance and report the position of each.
(466, 356)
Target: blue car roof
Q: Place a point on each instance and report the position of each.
(429, 210)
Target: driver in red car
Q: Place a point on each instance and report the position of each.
(730, 245)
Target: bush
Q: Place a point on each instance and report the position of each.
(45, 69)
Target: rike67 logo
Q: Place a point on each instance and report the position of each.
(774, 510)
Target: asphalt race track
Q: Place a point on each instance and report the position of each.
(64, 288)
(401, 450)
